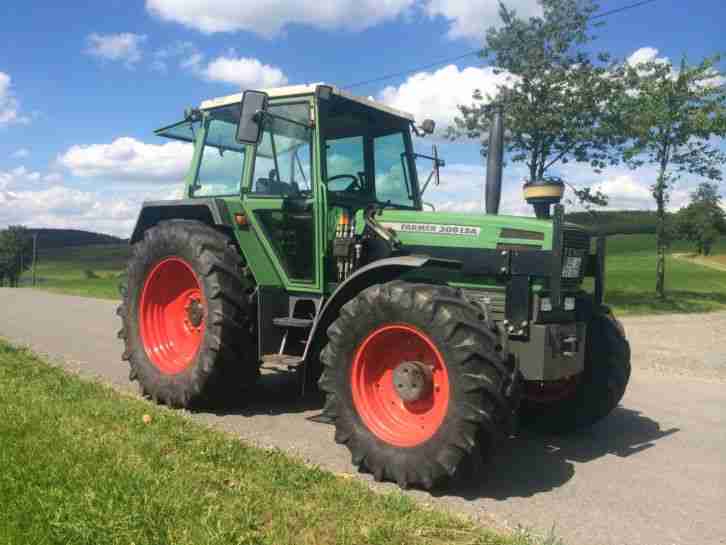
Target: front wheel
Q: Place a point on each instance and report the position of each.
(593, 394)
(413, 382)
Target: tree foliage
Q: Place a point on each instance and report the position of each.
(556, 101)
(703, 220)
(673, 117)
(15, 247)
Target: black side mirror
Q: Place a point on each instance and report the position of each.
(252, 110)
(428, 126)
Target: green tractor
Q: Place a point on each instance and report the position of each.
(302, 242)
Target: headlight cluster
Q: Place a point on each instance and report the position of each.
(572, 266)
(545, 304)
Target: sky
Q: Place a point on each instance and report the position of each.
(84, 84)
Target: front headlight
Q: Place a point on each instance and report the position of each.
(571, 266)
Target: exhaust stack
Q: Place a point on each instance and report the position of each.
(493, 193)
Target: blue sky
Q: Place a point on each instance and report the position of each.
(83, 85)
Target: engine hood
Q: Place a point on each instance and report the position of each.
(460, 230)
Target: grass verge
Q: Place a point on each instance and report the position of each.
(80, 465)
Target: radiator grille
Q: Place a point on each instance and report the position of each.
(575, 239)
(575, 242)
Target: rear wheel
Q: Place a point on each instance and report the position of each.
(585, 399)
(186, 317)
(413, 382)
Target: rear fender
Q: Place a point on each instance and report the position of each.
(210, 211)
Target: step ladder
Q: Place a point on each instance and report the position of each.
(288, 362)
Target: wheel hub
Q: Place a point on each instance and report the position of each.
(412, 380)
(400, 384)
(195, 312)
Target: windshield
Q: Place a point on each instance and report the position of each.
(385, 177)
(222, 163)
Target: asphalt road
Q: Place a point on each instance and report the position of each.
(653, 473)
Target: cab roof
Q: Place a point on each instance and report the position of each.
(307, 89)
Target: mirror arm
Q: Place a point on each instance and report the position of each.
(265, 113)
(428, 180)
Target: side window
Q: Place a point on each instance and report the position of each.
(222, 163)
(283, 161)
(393, 181)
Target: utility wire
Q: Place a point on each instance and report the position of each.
(475, 51)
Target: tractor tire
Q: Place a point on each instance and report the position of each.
(421, 441)
(186, 319)
(600, 386)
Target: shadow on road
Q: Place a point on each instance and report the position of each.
(276, 393)
(523, 466)
(533, 463)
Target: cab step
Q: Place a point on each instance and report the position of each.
(298, 323)
(281, 362)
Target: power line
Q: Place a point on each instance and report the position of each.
(624, 8)
(475, 51)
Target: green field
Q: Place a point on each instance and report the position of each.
(91, 271)
(96, 271)
(630, 278)
(86, 465)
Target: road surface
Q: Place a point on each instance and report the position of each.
(653, 473)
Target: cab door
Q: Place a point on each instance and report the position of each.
(279, 197)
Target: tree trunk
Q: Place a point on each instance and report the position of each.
(660, 246)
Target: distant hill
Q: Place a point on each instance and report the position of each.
(616, 222)
(61, 238)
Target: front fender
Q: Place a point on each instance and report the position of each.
(378, 272)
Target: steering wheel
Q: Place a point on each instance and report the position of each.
(354, 184)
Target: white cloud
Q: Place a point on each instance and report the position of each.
(18, 177)
(626, 193)
(243, 72)
(47, 200)
(467, 19)
(9, 105)
(128, 159)
(470, 19)
(461, 190)
(124, 47)
(436, 95)
(646, 55)
(650, 55)
(21, 153)
(63, 207)
(268, 17)
(176, 52)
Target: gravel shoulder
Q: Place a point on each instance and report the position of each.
(687, 345)
(652, 473)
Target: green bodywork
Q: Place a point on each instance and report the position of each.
(321, 167)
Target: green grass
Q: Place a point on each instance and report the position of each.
(630, 279)
(630, 275)
(80, 465)
(91, 271)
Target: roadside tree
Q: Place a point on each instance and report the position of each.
(14, 251)
(704, 219)
(673, 117)
(555, 103)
